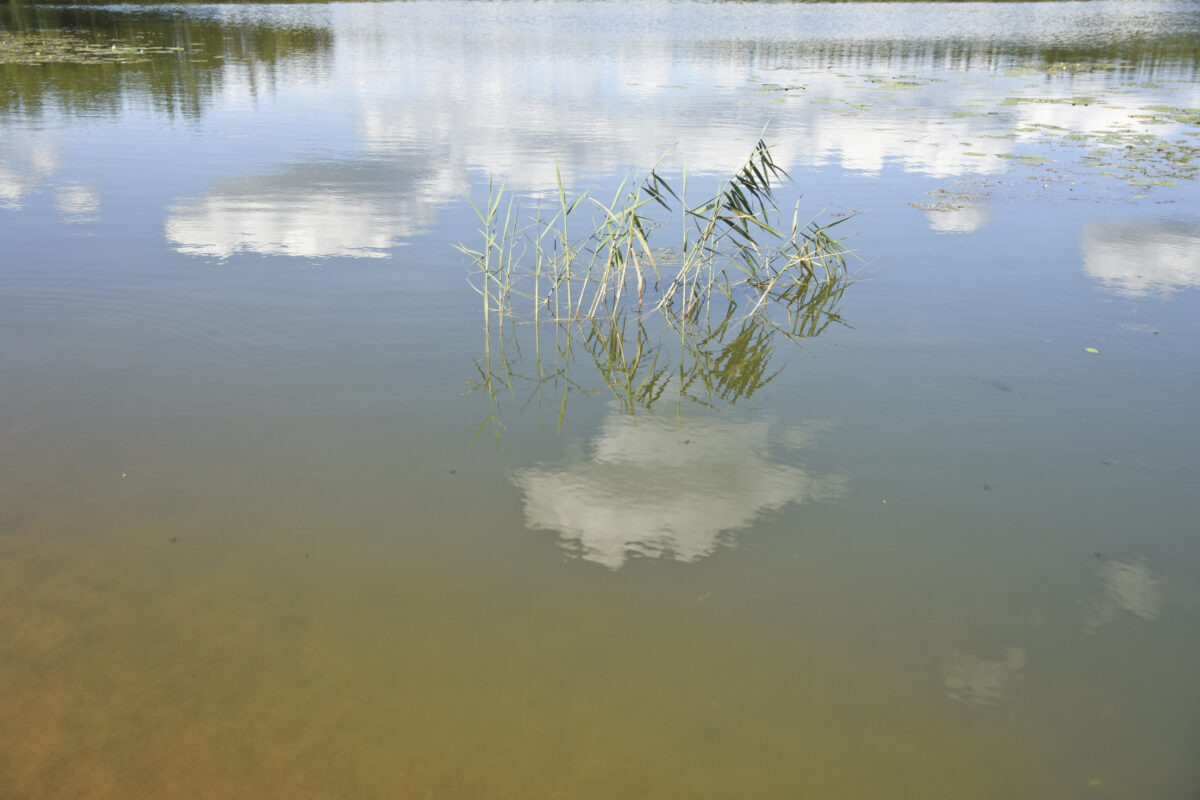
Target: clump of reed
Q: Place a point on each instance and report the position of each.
(734, 243)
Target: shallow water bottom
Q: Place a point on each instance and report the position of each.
(383, 639)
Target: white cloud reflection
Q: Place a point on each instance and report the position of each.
(541, 100)
(1137, 258)
(981, 681)
(961, 219)
(29, 164)
(77, 202)
(25, 164)
(452, 93)
(446, 126)
(354, 209)
(1120, 587)
(1134, 588)
(655, 488)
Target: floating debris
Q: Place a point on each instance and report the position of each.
(61, 47)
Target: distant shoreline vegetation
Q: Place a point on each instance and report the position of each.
(85, 59)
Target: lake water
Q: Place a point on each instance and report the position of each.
(280, 516)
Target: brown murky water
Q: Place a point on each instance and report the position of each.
(254, 541)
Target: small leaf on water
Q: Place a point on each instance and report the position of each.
(1091, 350)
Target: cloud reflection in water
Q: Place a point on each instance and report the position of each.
(77, 202)
(359, 209)
(656, 488)
(1138, 258)
(1123, 586)
(25, 164)
(979, 681)
(474, 92)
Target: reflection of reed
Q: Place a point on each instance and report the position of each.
(713, 355)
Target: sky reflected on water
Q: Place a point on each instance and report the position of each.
(419, 102)
(651, 487)
(1136, 258)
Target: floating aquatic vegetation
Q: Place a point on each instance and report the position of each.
(1187, 116)
(779, 87)
(944, 200)
(1157, 161)
(1080, 66)
(1078, 100)
(903, 82)
(1126, 148)
(60, 47)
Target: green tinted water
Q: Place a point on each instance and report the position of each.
(254, 544)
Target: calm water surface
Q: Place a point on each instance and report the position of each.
(279, 517)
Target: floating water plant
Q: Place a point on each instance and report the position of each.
(59, 47)
(732, 244)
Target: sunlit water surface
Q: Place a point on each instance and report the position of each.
(279, 518)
